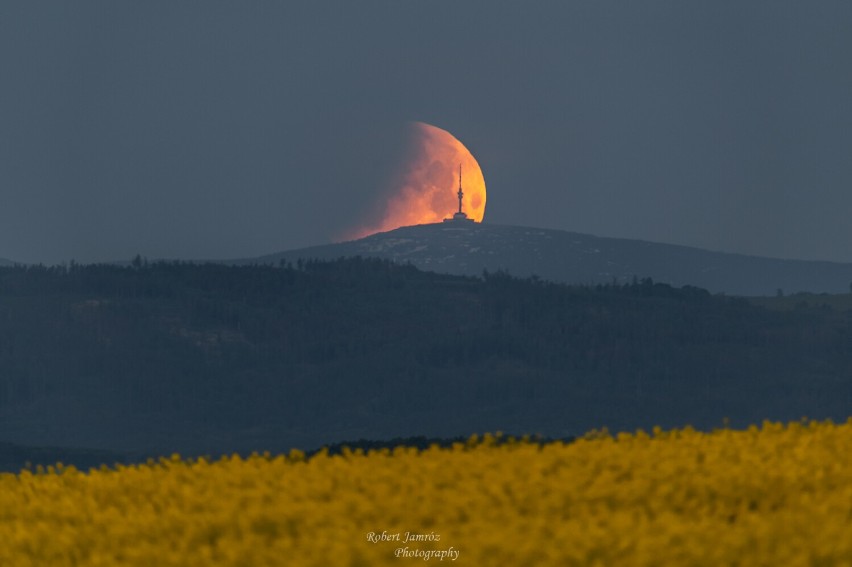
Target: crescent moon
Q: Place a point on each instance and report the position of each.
(427, 192)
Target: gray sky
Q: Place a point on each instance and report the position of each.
(235, 129)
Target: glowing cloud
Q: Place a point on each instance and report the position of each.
(428, 186)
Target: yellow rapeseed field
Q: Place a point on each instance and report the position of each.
(772, 495)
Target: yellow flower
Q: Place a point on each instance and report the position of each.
(778, 494)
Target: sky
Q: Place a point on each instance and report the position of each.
(214, 130)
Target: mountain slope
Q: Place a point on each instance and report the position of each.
(575, 258)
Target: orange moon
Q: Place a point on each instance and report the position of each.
(427, 189)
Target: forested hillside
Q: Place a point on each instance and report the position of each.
(576, 258)
(209, 358)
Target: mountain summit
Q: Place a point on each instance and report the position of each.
(576, 258)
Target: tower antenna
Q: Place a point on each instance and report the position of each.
(461, 194)
(460, 217)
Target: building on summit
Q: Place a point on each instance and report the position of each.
(460, 217)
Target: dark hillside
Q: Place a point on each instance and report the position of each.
(14, 458)
(212, 358)
(575, 258)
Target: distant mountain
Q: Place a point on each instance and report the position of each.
(5, 262)
(576, 258)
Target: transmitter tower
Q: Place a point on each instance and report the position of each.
(460, 216)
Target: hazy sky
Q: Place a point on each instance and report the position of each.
(235, 129)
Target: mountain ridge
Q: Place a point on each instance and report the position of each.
(576, 258)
